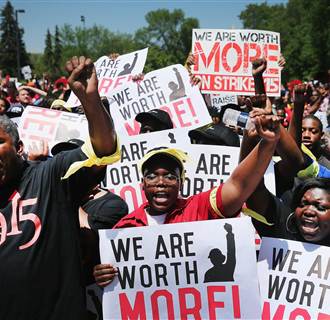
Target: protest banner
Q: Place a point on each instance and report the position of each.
(177, 271)
(114, 73)
(168, 89)
(208, 166)
(223, 60)
(294, 280)
(219, 100)
(40, 124)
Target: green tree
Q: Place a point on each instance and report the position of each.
(48, 56)
(10, 33)
(94, 42)
(168, 35)
(57, 52)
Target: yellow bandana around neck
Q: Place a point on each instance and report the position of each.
(92, 159)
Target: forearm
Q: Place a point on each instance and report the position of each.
(35, 90)
(259, 86)
(246, 177)
(288, 150)
(101, 128)
(295, 126)
(258, 199)
(315, 106)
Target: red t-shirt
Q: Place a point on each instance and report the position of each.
(194, 208)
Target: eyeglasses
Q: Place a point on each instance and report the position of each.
(168, 178)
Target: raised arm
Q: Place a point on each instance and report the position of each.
(83, 82)
(248, 174)
(299, 99)
(35, 90)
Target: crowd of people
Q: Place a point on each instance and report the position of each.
(48, 239)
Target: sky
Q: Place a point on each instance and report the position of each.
(118, 16)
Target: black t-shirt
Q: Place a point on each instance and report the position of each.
(40, 271)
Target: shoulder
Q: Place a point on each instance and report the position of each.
(136, 218)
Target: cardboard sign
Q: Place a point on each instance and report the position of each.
(168, 89)
(219, 100)
(40, 124)
(208, 166)
(294, 280)
(114, 73)
(223, 60)
(177, 271)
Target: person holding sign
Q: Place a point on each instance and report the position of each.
(308, 219)
(40, 271)
(163, 174)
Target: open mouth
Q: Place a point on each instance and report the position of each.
(160, 197)
(309, 227)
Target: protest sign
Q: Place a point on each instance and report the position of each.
(223, 60)
(112, 74)
(26, 72)
(168, 89)
(40, 124)
(294, 280)
(208, 166)
(177, 271)
(219, 100)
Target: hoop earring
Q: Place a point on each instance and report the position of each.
(290, 224)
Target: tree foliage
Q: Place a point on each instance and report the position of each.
(48, 56)
(305, 39)
(57, 53)
(8, 42)
(94, 42)
(168, 35)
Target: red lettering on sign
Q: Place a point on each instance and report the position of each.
(194, 310)
(104, 85)
(214, 54)
(179, 110)
(278, 314)
(299, 312)
(213, 305)
(50, 126)
(137, 312)
(169, 303)
(132, 131)
(48, 113)
(236, 302)
(248, 56)
(224, 55)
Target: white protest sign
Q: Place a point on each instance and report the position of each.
(294, 280)
(209, 165)
(114, 73)
(168, 89)
(40, 124)
(219, 100)
(177, 271)
(27, 72)
(223, 60)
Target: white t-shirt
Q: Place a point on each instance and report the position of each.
(154, 220)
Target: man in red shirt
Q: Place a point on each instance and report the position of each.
(163, 174)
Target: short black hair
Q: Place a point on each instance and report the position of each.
(10, 128)
(312, 117)
(311, 183)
